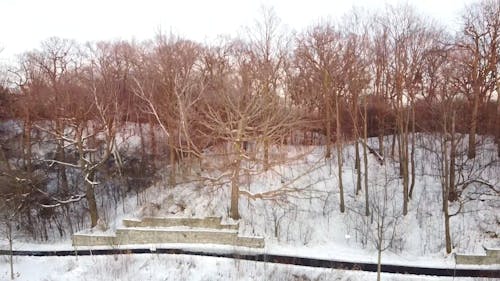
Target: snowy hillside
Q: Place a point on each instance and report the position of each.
(303, 217)
(306, 219)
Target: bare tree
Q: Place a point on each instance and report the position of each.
(402, 40)
(318, 59)
(169, 85)
(386, 218)
(356, 71)
(479, 43)
(241, 118)
(267, 51)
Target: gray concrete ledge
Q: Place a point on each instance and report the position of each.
(492, 257)
(209, 222)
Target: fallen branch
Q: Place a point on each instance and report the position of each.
(380, 158)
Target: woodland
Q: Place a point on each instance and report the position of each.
(84, 125)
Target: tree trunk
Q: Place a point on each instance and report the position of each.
(235, 190)
(445, 186)
(403, 159)
(400, 151)
(412, 155)
(447, 229)
(339, 154)
(235, 178)
(381, 145)
(60, 156)
(27, 145)
(379, 262)
(381, 132)
(328, 116)
(357, 167)
(266, 154)
(393, 146)
(471, 149)
(11, 252)
(498, 121)
(380, 236)
(452, 194)
(365, 160)
(154, 146)
(357, 160)
(172, 164)
(405, 173)
(91, 201)
(328, 127)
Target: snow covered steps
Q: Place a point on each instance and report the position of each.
(160, 230)
(208, 222)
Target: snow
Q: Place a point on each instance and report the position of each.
(305, 222)
(179, 267)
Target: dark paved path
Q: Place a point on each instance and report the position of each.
(279, 259)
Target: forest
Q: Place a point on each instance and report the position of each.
(84, 125)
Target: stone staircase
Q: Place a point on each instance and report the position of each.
(160, 230)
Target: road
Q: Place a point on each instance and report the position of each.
(278, 259)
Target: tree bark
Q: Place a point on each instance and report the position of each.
(60, 156)
(471, 149)
(11, 252)
(339, 154)
(266, 154)
(27, 145)
(365, 159)
(445, 186)
(154, 145)
(328, 126)
(172, 160)
(498, 120)
(235, 178)
(91, 201)
(379, 262)
(447, 228)
(452, 194)
(357, 166)
(403, 157)
(412, 154)
(235, 189)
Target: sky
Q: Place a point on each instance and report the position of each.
(26, 23)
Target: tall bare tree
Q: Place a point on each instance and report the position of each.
(267, 46)
(479, 43)
(169, 85)
(320, 81)
(240, 118)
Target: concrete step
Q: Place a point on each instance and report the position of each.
(492, 256)
(165, 235)
(208, 222)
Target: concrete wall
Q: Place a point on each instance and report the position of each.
(92, 240)
(135, 236)
(493, 253)
(252, 242)
(491, 257)
(147, 236)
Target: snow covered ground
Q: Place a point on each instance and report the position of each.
(305, 223)
(177, 268)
